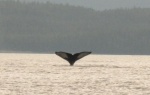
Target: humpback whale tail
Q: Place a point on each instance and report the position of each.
(72, 58)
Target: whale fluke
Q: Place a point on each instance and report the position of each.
(72, 58)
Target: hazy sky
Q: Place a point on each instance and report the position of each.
(105, 4)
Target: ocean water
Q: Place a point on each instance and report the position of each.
(48, 74)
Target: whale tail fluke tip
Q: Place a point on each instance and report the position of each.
(72, 58)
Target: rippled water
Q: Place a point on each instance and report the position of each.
(48, 74)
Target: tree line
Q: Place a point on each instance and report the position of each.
(46, 27)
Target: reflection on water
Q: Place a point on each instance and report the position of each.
(33, 74)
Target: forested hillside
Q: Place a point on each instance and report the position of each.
(46, 27)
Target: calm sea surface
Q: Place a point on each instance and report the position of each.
(48, 74)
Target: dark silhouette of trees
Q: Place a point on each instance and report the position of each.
(46, 27)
